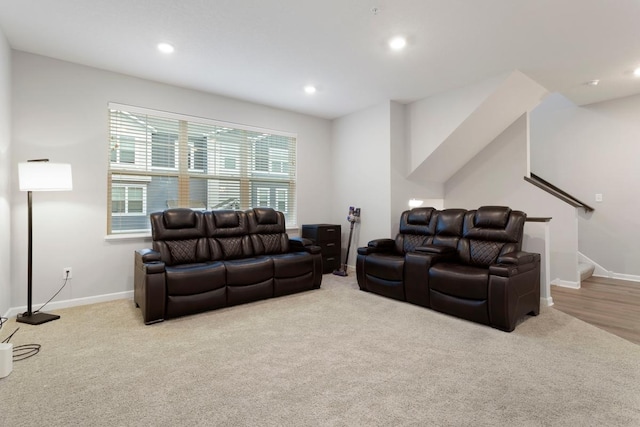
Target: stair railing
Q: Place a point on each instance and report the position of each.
(557, 192)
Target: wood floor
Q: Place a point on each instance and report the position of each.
(610, 304)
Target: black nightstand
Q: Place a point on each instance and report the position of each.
(327, 236)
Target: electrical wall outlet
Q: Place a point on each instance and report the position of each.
(67, 273)
(598, 197)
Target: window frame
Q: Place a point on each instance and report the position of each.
(240, 182)
(127, 186)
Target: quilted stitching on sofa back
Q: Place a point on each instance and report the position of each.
(416, 226)
(232, 247)
(268, 231)
(412, 241)
(484, 252)
(488, 231)
(228, 234)
(182, 251)
(179, 236)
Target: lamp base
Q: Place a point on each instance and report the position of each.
(37, 318)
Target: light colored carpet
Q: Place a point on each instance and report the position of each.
(332, 357)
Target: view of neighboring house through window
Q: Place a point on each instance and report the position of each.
(162, 160)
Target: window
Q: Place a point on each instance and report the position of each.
(159, 160)
(128, 200)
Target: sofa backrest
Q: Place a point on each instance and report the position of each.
(179, 236)
(416, 228)
(267, 231)
(489, 232)
(227, 234)
(448, 227)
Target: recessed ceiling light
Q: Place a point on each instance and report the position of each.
(593, 82)
(636, 72)
(165, 48)
(310, 89)
(397, 43)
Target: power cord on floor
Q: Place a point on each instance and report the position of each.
(20, 352)
(25, 351)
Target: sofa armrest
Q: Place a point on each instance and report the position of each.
(378, 245)
(517, 258)
(150, 289)
(514, 263)
(300, 244)
(384, 244)
(148, 255)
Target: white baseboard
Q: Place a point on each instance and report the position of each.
(600, 271)
(565, 284)
(546, 302)
(56, 305)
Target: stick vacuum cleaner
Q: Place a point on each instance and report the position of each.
(353, 217)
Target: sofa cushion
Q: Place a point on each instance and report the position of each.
(385, 266)
(414, 230)
(492, 217)
(448, 229)
(226, 219)
(182, 251)
(266, 216)
(292, 264)
(190, 279)
(248, 271)
(268, 231)
(459, 280)
(178, 218)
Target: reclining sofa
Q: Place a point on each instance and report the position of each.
(207, 260)
(466, 263)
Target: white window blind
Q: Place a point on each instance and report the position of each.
(161, 160)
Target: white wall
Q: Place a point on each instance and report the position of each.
(402, 188)
(60, 113)
(594, 149)
(361, 174)
(495, 177)
(5, 174)
(431, 120)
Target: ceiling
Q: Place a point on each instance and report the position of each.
(266, 51)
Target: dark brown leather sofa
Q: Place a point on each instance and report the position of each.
(469, 264)
(207, 260)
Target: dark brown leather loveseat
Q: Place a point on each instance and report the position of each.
(467, 263)
(206, 260)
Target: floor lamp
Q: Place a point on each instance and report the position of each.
(40, 175)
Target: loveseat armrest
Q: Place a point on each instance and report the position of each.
(301, 244)
(378, 245)
(514, 263)
(150, 288)
(517, 258)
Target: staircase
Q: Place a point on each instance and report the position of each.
(585, 270)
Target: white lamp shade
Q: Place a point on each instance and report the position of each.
(415, 203)
(44, 176)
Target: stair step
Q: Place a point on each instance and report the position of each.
(586, 270)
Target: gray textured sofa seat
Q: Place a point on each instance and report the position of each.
(207, 260)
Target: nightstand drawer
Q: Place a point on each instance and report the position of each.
(329, 248)
(321, 232)
(330, 263)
